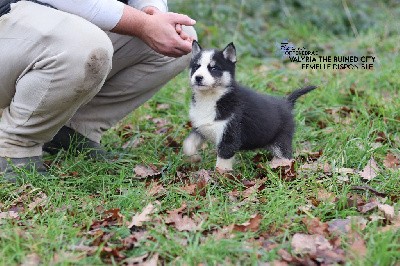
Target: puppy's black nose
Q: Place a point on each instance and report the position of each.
(199, 79)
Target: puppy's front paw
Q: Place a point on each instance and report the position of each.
(224, 165)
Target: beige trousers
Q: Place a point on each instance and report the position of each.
(58, 69)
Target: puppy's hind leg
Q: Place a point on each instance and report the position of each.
(282, 147)
(191, 145)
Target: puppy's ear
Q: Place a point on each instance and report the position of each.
(196, 48)
(230, 52)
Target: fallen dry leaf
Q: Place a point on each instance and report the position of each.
(285, 167)
(387, 210)
(9, 215)
(367, 207)
(157, 189)
(182, 222)
(32, 259)
(163, 106)
(89, 250)
(251, 225)
(142, 171)
(113, 217)
(316, 166)
(308, 244)
(344, 226)
(391, 161)
(344, 171)
(190, 189)
(357, 246)
(315, 226)
(144, 216)
(370, 171)
(325, 196)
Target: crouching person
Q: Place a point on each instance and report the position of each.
(72, 70)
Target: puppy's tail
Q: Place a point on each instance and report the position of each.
(297, 93)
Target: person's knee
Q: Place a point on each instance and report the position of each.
(91, 60)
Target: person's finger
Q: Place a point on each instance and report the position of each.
(184, 35)
(182, 19)
(178, 28)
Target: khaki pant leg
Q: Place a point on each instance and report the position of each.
(138, 73)
(51, 63)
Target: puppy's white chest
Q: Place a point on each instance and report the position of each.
(202, 114)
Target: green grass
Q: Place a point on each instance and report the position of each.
(82, 190)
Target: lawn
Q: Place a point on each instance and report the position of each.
(336, 203)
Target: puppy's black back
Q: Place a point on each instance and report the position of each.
(259, 118)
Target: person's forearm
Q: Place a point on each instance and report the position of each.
(131, 23)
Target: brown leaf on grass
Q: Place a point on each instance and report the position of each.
(325, 196)
(393, 226)
(285, 167)
(32, 259)
(9, 215)
(112, 252)
(370, 171)
(251, 225)
(357, 246)
(344, 171)
(89, 250)
(340, 114)
(391, 161)
(308, 244)
(203, 177)
(316, 167)
(66, 258)
(368, 206)
(387, 210)
(139, 218)
(315, 249)
(157, 190)
(258, 186)
(286, 256)
(190, 189)
(112, 217)
(142, 171)
(182, 222)
(153, 261)
(339, 227)
(381, 137)
(131, 261)
(315, 226)
(163, 106)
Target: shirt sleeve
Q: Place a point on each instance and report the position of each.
(162, 5)
(103, 13)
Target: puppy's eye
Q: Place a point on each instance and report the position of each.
(196, 66)
(215, 68)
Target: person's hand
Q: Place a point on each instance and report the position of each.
(157, 30)
(151, 10)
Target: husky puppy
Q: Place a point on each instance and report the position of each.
(231, 116)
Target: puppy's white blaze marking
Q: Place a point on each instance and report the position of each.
(192, 144)
(224, 164)
(204, 61)
(203, 112)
